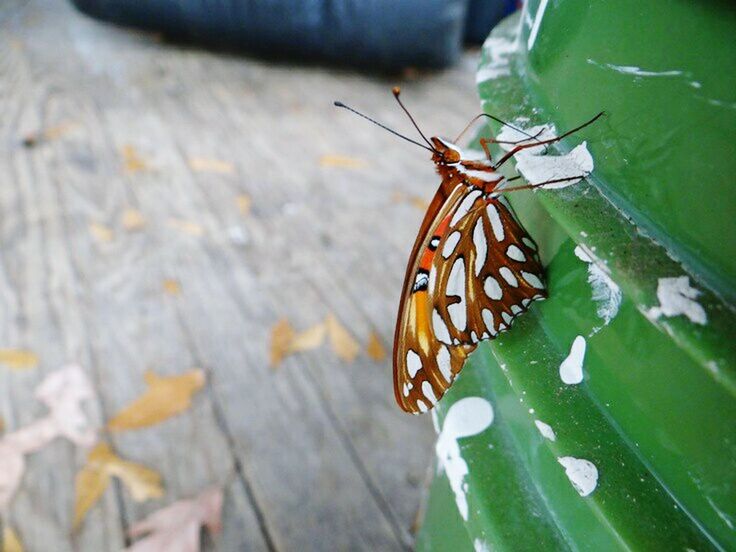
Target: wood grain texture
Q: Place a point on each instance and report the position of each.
(314, 455)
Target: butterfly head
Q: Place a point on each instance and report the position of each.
(445, 152)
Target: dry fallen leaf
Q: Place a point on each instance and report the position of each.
(244, 202)
(18, 359)
(62, 392)
(207, 164)
(375, 348)
(102, 464)
(133, 220)
(308, 339)
(132, 161)
(177, 526)
(171, 286)
(344, 345)
(100, 232)
(165, 397)
(11, 542)
(282, 335)
(342, 161)
(187, 227)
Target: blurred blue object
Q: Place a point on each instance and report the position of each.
(483, 15)
(381, 34)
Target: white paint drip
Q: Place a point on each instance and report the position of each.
(499, 52)
(606, 293)
(677, 297)
(537, 23)
(636, 71)
(523, 135)
(546, 430)
(465, 418)
(571, 369)
(582, 474)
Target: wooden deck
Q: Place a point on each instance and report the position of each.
(314, 455)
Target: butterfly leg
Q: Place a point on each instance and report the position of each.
(538, 184)
(517, 149)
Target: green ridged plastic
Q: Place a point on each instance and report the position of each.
(656, 410)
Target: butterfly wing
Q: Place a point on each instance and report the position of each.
(483, 271)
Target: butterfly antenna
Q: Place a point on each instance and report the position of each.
(392, 131)
(396, 92)
(504, 123)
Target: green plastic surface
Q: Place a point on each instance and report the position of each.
(656, 410)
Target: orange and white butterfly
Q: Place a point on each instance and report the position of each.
(473, 268)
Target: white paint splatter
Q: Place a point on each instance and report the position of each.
(518, 134)
(546, 430)
(571, 369)
(582, 474)
(677, 297)
(499, 51)
(480, 546)
(606, 292)
(636, 71)
(537, 23)
(467, 417)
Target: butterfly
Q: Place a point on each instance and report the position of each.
(473, 268)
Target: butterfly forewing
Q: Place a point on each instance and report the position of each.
(483, 272)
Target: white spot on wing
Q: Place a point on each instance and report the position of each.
(443, 362)
(496, 223)
(456, 287)
(677, 297)
(440, 328)
(532, 279)
(481, 247)
(582, 474)
(488, 320)
(413, 363)
(450, 244)
(465, 418)
(421, 406)
(507, 275)
(571, 369)
(513, 252)
(464, 206)
(429, 392)
(492, 288)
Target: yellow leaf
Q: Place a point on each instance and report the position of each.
(244, 202)
(206, 164)
(132, 161)
(342, 161)
(344, 345)
(375, 348)
(102, 464)
(11, 542)
(18, 359)
(165, 397)
(172, 286)
(133, 220)
(188, 227)
(100, 232)
(282, 334)
(308, 339)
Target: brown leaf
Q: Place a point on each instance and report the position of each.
(102, 464)
(18, 359)
(308, 339)
(206, 164)
(11, 542)
(342, 162)
(187, 227)
(132, 161)
(100, 232)
(344, 344)
(244, 202)
(165, 397)
(133, 220)
(171, 286)
(177, 526)
(375, 348)
(282, 334)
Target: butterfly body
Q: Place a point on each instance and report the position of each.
(472, 270)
